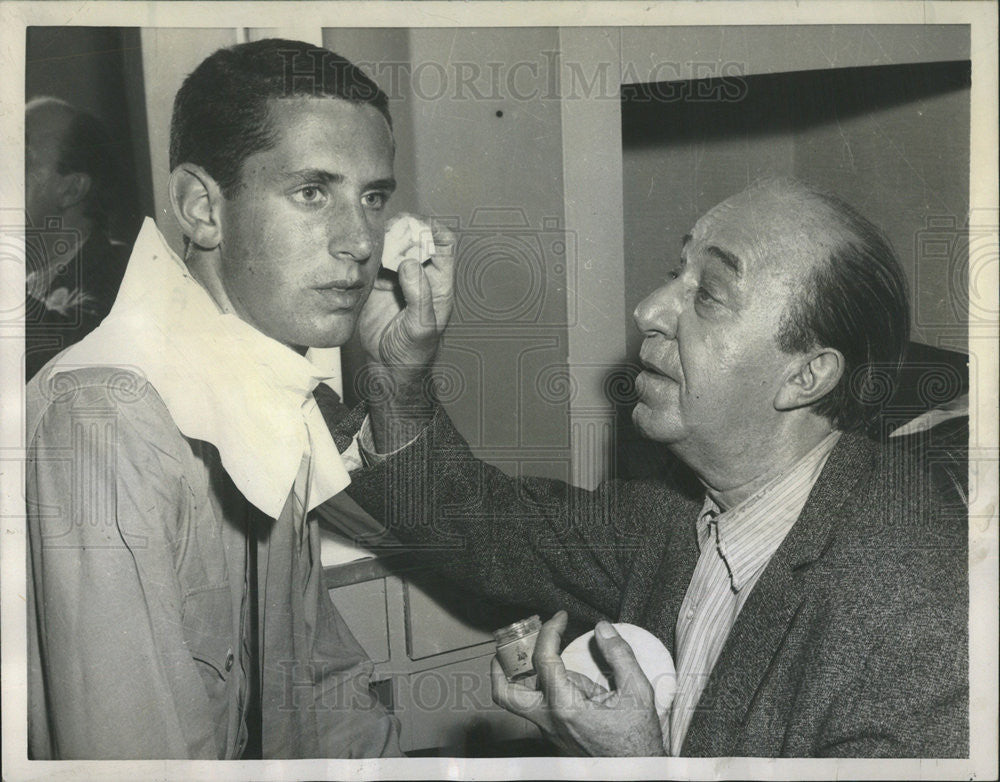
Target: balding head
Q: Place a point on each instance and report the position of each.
(70, 170)
(787, 222)
(852, 296)
(846, 289)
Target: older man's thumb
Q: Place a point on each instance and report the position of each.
(629, 678)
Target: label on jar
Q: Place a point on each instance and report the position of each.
(515, 656)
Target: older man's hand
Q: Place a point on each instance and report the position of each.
(579, 716)
(400, 327)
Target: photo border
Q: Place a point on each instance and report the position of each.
(982, 18)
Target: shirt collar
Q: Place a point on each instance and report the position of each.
(747, 535)
(223, 381)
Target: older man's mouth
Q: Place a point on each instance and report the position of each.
(655, 371)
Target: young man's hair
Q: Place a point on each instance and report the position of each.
(221, 112)
(855, 300)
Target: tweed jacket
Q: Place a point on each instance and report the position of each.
(853, 643)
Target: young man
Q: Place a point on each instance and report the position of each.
(175, 599)
(814, 596)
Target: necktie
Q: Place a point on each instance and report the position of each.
(339, 417)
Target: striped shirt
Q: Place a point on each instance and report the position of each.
(735, 547)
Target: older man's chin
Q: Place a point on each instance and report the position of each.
(659, 425)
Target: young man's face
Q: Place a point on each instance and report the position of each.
(302, 236)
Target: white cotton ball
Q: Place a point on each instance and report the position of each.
(582, 656)
(406, 236)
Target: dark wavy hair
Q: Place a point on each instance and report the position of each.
(221, 112)
(855, 300)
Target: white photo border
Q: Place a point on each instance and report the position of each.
(982, 20)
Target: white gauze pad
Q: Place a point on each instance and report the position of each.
(582, 656)
(406, 236)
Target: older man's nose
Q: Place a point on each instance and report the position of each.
(657, 313)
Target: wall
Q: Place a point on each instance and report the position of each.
(688, 52)
(168, 56)
(906, 167)
(892, 140)
(488, 151)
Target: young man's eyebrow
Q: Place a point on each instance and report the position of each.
(328, 177)
(314, 175)
(388, 184)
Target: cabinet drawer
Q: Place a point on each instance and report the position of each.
(363, 607)
(439, 621)
(451, 708)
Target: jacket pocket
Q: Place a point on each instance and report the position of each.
(208, 631)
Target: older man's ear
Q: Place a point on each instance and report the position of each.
(196, 198)
(73, 188)
(811, 377)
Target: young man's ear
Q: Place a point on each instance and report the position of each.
(197, 201)
(811, 378)
(73, 188)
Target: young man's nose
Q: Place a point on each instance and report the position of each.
(351, 235)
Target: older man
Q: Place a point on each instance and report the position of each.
(814, 596)
(176, 604)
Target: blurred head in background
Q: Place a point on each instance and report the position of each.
(70, 168)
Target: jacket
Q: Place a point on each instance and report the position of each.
(853, 643)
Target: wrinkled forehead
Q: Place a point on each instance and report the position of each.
(775, 233)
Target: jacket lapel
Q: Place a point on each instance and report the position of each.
(769, 612)
(676, 566)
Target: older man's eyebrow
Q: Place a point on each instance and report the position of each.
(685, 242)
(727, 258)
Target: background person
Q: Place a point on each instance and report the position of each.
(74, 267)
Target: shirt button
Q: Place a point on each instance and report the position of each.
(229, 661)
(690, 614)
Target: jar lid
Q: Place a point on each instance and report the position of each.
(518, 630)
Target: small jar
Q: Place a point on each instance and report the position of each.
(515, 645)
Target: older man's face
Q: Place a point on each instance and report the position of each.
(712, 362)
(45, 126)
(302, 236)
